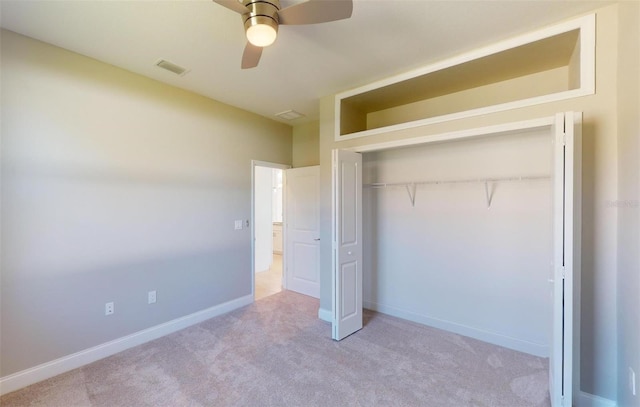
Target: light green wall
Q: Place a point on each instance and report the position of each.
(600, 175)
(114, 185)
(306, 144)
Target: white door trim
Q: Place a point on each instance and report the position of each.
(254, 164)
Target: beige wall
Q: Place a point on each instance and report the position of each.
(528, 86)
(600, 232)
(306, 144)
(628, 204)
(114, 185)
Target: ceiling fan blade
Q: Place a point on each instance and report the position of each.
(233, 5)
(251, 56)
(316, 11)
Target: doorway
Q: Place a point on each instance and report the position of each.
(268, 228)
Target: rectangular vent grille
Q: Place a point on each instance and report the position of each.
(289, 115)
(171, 67)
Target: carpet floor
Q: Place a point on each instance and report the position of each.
(276, 352)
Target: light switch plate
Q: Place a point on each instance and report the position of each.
(238, 224)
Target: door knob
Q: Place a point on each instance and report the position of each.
(317, 240)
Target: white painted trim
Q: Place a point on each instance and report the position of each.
(537, 35)
(325, 315)
(590, 400)
(66, 363)
(585, 24)
(459, 134)
(470, 113)
(588, 54)
(486, 336)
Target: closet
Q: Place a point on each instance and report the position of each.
(475, 231)
(470, 231)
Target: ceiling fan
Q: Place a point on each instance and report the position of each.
(261, 19)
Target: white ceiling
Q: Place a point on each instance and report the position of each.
(383, 38)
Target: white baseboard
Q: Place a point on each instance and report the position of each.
(325, 315)
(486, 336)
(64, 364)
(590, 400)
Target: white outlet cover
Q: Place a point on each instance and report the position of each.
(151, 297)
(109, 308)
(238, 225)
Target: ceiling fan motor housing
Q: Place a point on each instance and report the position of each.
(261, 12)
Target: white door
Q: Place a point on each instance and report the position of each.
(566, 222)
(303, 230)
(347, 243)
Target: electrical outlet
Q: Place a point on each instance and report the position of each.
(108, 308)
(151, 297)
(632, 381)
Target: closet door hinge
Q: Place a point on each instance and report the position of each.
(563, 275)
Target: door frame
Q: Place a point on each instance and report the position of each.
(277, 166)
(566, 195)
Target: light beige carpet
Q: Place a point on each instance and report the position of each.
(276, 352)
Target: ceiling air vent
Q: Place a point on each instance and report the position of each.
(289, 115)
(171, 67)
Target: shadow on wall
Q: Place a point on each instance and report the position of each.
(588, 292)
(370, 228)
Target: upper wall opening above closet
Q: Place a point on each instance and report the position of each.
(551, 64)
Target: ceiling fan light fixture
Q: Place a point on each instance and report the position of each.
(261, 21)
(261, 34)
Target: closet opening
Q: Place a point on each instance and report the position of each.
(476, 232)
(459, 236)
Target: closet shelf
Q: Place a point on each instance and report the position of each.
(411, 186)
(554, 63)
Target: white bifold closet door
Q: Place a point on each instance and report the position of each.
(565, 128)
(347, 243)
(566, 230)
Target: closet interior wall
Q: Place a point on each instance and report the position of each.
(449, 260)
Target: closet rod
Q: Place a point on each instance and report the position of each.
(460, 181)
(411, 186)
